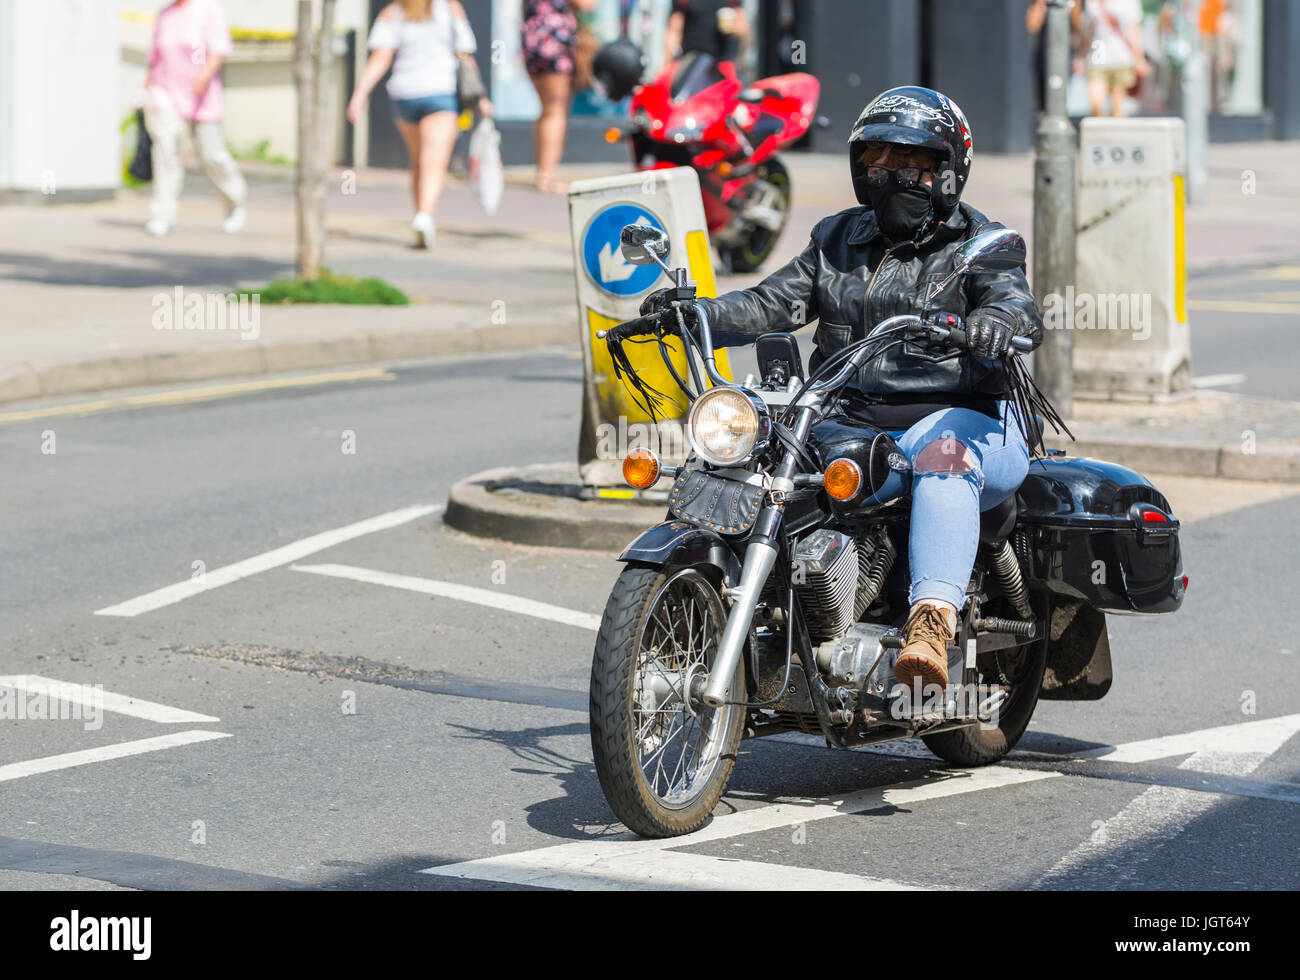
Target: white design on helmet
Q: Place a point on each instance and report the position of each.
(913, 105)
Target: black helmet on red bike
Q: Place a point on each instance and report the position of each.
(914, 116)
(617, 69)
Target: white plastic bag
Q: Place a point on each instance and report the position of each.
(1077, 104)
(485, 169)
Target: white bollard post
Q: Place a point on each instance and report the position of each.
(1128, 304)
(610, 290)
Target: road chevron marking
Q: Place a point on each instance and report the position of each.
(1262, 735)
(284, 555)
(623, 861)
(83, 697)
(595, 864)
(104, 753)
(1159, 814)
(465, 593)
(674, 871)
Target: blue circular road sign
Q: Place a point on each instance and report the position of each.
(603, 260)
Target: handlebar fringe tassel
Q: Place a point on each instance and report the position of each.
(1030, 401)
(651, 399)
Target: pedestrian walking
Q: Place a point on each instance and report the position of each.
(1115, 60)
(423, 42)
(718, 28)
(548, 37)
(183, 92)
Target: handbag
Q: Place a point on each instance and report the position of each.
(469, 83)
(1134, 90)
(141, 167)
(585, 46)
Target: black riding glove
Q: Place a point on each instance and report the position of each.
(989, 333)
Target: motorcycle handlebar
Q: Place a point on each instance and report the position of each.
(650, 324)
(946, 328)
(706, 346)
(636, 326)
(950, 328)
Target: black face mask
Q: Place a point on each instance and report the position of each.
(900, 211)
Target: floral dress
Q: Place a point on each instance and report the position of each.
(548, 31)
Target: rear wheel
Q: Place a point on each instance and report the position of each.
(760, 240)
(1021, 668)
(663, 764)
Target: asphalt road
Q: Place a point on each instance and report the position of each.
(326, 729)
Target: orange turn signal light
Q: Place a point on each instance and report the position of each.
(842, 479)
(641, 469)
(613, 134)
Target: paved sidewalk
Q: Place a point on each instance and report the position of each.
(81, 283)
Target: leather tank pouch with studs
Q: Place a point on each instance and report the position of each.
(726, 506)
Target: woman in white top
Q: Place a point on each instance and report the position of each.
(421, 40)
(1113, 31)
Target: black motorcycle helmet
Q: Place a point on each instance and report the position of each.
(917, 116)
(617, 69)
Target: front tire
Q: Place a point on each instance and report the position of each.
(981, 745)
(662, 765)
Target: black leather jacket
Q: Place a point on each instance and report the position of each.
(849, 279)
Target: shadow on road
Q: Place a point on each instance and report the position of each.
(579, 805)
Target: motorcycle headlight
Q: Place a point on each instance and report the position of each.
(727, 426)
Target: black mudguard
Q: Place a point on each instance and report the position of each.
(1078, 654)
(674, 544)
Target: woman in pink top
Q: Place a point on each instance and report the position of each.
(183, 90)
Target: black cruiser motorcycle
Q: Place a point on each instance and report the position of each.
(771, 599)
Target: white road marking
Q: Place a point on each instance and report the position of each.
(1217, 380)
(17, 770)
(88, 698)
(1159, 814)
(465, 593)
(267, 560)
(1245, 736)
(1265, 735)
(627, 861)
(623, 862)
(672, 871)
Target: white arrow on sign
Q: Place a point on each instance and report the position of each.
(613, 267)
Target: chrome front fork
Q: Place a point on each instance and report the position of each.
(760, 557)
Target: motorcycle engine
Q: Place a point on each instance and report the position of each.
(836, 576)
(826, 579)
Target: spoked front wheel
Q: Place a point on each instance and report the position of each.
(663, 762)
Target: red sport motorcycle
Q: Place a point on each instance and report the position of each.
(698, 114)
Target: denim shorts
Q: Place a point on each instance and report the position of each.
(413, 110)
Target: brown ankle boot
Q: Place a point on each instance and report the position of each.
(926, 636)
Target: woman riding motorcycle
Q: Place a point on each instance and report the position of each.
(910, 156)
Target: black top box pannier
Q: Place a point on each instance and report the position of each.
(1102, 533)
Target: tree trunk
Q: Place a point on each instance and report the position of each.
(308, 236)
(312, 68)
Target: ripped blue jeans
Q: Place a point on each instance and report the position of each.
(961, 466)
